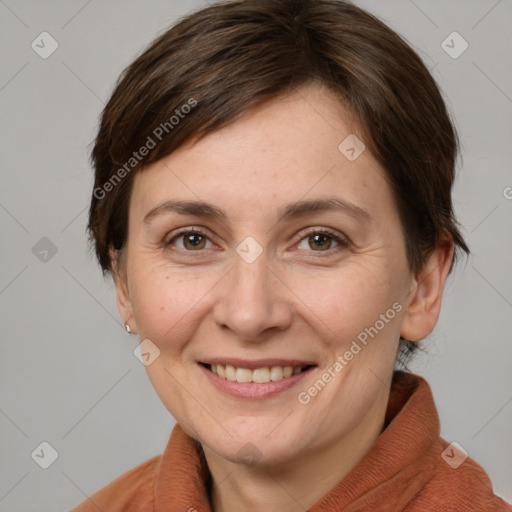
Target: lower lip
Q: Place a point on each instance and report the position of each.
(253, 389)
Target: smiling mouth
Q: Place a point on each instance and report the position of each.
(258, 375)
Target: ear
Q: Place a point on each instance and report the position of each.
(123, 300)
(423, 310)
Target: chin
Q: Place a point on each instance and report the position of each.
(252, 445)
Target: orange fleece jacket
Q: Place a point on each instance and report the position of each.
(402, 471)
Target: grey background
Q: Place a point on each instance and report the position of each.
(67, 372)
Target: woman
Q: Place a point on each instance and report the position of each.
(273, 200)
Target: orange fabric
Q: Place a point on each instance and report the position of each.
(403, 471)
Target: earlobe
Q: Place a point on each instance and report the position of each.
(425, 298)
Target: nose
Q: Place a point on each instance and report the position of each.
(253, 301)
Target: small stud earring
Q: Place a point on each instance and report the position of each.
(127, 327)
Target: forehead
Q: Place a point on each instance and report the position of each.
(291, 148)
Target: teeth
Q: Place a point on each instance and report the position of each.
(287, 371)
(277, 373)
(230, 372)
(260, 375)
(243, 375)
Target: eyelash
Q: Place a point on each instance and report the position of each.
(342, 242)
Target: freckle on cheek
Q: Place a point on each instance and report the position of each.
(162, 308)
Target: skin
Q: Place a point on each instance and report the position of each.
(294, 301)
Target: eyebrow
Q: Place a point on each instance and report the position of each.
(290, 211)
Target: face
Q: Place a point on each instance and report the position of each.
(255, 278)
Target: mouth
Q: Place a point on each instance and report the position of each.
(255, 379)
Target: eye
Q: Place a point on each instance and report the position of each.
(192, 240)
(321, 240)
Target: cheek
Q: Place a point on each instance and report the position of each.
(166, 302)
(342, 303)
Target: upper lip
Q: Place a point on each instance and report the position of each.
(257, 363)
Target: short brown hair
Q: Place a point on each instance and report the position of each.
(232, 56)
